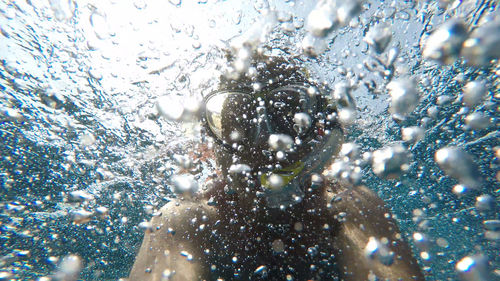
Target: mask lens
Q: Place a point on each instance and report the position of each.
(214, 105)
(230, 116)
(285, 102)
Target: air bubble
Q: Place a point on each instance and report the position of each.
(239, 169)
(350, 150)
(80, 195)
(474, 268)
(443, 243)
(482, 46)
(391, 162)
(280, 155)
(474, 92)
(316, 181)
(177, 108)
(421, 241)
(302, 122)
(145, 226)
(485, 203)
(298, 226)
(493, 225)
(313, 46)
(278, 246)
(176, 3)
(347, 116)
(69, 269)
(459, 189)
(80, 216)
(63, 10)
(412, 134)
(458, 164)
(184, 184)
(404, 96)
(167, 274)
(321, 20)
(276, 181)
(379, 37)
(183, 160)
(478, 121)
(375, 249)
(445, 43)
(280, 142)
(261, 271)
(87, 139)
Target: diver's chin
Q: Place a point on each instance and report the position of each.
(247, 189)
(238, 183)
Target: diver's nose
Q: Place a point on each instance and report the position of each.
(264, 129)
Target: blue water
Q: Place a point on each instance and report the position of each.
(426, 187)
(78, 87)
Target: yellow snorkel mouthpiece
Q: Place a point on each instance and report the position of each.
(280, 178)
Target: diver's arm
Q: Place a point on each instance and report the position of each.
(365, 216)
(173, 246)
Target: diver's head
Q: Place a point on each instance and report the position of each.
(271, 120)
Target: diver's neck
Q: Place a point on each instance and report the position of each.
(227, 193)
(248, 198)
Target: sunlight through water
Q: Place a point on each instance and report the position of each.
(100, 102)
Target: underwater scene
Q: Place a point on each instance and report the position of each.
(249, 140)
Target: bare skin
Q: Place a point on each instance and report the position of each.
(239, 238)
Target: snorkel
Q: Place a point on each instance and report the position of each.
(277, 126)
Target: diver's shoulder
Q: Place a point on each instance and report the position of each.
(338, 194)
(182, 212)
(176, 205)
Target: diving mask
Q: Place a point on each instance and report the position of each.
(236, 118)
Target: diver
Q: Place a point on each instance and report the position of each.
(270, 214)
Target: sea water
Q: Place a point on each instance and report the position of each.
(96, 129)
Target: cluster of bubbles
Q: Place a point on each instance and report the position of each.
(327, 16)
(447, 43)
(348, 166)
(452, 40)
(379, 250)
